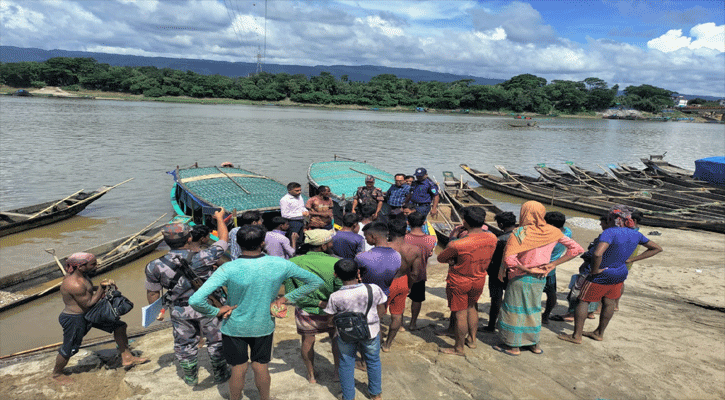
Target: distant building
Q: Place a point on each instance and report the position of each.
(722, 102)
(680, 101)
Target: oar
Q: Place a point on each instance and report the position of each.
(507, 174)
(52, 252)
(235, 182)
(378, 178)
(112, 187)
(453, 207)
(131, 238)
(54, 204)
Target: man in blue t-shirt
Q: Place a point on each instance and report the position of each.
(347, 243)
(609, 270)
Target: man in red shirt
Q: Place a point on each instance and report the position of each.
(468, 259)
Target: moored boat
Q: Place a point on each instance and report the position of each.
(25, 286)
(21, 219)
(558, 195)
(199, 192)
(462, 195)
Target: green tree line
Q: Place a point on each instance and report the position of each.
(522, 93)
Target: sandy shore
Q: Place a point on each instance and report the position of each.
(666, 342)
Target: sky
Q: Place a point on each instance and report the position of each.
(675, 45)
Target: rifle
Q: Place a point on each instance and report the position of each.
(183, 268)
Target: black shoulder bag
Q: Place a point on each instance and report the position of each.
(353, 326)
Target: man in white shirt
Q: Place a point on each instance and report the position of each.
(293, 209)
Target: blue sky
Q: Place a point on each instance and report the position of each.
(677, 45)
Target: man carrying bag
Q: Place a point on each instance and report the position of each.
(358, 327)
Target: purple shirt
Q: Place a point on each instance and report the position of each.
(355, 298)
(347, 244)
(278, 245)
(379, 266)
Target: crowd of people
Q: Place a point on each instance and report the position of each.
(368, 266)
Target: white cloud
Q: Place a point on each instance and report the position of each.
(385, 27)
(707, 35)
(145, 5)
(14, 16)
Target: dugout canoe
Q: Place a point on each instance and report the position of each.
(462, 195)
(549, 193)
(644, 200)
(198, 192)
(344, 176)
(22, 219)
(687, 185)
(34, 283)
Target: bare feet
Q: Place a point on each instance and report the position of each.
(385, 348)
(62, 379)
(360, 365)
(452, 351)
(590, 316)
(130, 362)
(570, 339)
(593, 335)
(377, 397)
(413, 327)
(536, 349)
(471, 343)
(488, 329)
(445, 333)
(311, 379)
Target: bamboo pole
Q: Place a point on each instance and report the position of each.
(54, 204)
(57, 261)
(235, 182)
(506, 173)
(378, 178)
(131, 238)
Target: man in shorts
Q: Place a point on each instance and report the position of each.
(79, 296)
(408, 273)
(468, 259)
(426, 244)
(253, 281)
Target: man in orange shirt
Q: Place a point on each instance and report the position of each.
(468, 259)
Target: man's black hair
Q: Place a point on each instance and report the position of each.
(250, 237)
(199, 232)
(506, 219)
(637, 216)
(322, 187)
(416, 219)
(293, 185)
(409, 177)
(277, 221)
(397, 227)
(349, 220)
(346, 270)
(250, 217)
(555, 218)
(397, 175)
(367, 210)
(475, 216)
(380, 228)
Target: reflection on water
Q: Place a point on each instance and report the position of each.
(52, 147)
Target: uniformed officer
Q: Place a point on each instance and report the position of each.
(189, 325)
(424, 193)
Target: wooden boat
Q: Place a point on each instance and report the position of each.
(25, 286)
(558, 195)
(462, 195)
(344, 176)
(199, 192)
(644, 200)
(530, 124)
(693, 186)
(659, 168)
(21, 219)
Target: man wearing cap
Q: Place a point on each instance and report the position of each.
(188, 324)
(424, 193)
(79, 296)
(368, 194)
(309, 318)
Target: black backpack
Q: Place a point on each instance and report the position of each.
(353, 326)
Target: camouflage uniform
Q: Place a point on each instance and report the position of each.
(188, 325)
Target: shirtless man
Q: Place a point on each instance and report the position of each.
(79, 296)
(410, 269)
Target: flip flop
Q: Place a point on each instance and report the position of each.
(505, 351)
(531, 349)
(557, 318)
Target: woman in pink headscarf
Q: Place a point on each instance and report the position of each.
(527, 259)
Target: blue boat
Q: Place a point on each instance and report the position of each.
(199, 192)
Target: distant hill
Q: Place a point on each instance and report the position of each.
(360, 73)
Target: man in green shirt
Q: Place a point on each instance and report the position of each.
(253, 281)
(309, 317)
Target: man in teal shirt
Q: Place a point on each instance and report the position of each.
(309, 317)
(253, 281)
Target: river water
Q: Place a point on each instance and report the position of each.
(52, 147)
